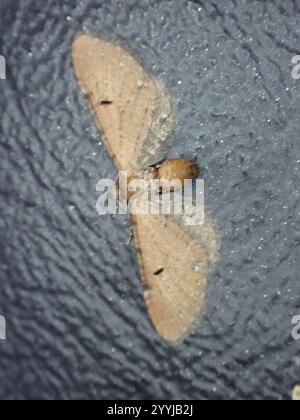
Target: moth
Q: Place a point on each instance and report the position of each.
(136, 118)
(296, 393)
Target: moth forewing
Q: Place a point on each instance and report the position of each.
(173, 278)
(133, 111)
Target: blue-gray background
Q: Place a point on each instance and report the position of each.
(77, 325)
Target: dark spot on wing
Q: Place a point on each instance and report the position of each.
(103, 103)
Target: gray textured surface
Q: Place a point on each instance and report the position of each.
(70, 290)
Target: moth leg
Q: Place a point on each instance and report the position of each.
(130, 239)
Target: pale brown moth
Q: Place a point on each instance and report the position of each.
(136, 118)
(296, 393)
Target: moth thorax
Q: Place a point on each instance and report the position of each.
(178, 169)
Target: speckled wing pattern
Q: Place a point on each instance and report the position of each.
(175, 267)
(135, 116)
(133, 111)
